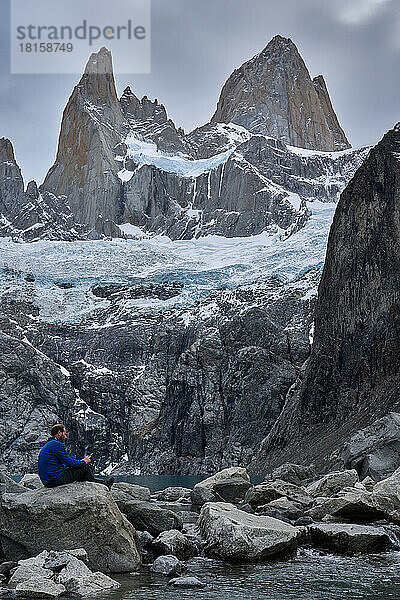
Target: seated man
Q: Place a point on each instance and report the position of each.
(56, 467)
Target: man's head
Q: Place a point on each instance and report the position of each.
(59, 432)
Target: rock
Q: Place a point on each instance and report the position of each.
(348, 538)
(204, 490)
(27, 572)
(186, 582)
(375, 450)
(9, 486)
(146, 539)
(74, 569)
(267, 491)
(94, 522)
(232, 534)
(231, 490)
(79, 553)
(291, 473)
(6, 567)
(390, 487)
(37, 561)
(149, 517)
(293, 108)
(303, 521)
(124, 492)
(363, 506)
(174, 542)
(40, 587)
(166, 565)
(31, 481)
(173, 494)
(281, 508)
(351, 378)
(332, 483)
(368, 483)
(92, 584)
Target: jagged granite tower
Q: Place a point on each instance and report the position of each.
(273, 94)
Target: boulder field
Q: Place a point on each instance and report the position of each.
(65, 540)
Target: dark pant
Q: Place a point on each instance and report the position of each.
(79, 473)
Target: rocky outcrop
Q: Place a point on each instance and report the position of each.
(232, 534)
(375, 450)
(349, 539)
(86, 516)
(273, 94)
(85, 171)
(351, 378)
(124, 161)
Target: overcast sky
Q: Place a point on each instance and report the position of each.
(196, 44)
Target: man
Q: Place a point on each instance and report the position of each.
(56, 467)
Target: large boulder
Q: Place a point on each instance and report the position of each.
(146, 516)
(357, 506)
(75, 515)
(271, 490)
(291, 473)
(204, 490)
(332, 483)
(375, 450)
(231, 490)
(233, 534)
(125, 492)
(174, 542)
(173, 494)
(347, 538)
(281, 508)
(390, 487)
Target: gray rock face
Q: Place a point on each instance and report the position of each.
(351, 379)
(85, 171)
(204, 491)
(247, 344)
(375, 450)
(245, 189)
(273, 94)
(332, 483)
(30, 522)
(272, 490)
(174, 542)
(291, 473)
(149, 517)
(40, 587)
(232, 534)
(349, 539)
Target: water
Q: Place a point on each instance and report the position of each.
(202, 265)
(308, 576)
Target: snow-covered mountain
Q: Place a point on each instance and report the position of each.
(121, 160)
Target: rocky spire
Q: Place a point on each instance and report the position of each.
(273, 94)
(85, 169)
(11, 182)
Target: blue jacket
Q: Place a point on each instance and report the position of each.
(53, 460)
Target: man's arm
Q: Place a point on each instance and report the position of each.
(66, 459)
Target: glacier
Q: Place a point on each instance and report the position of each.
(34, 272)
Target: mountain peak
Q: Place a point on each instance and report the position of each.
(273, 94)
(99, 63)
(6, 150)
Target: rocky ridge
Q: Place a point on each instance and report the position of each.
(121, 160)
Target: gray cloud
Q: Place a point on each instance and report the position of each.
(195, 47)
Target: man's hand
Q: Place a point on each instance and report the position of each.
(87, 459)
